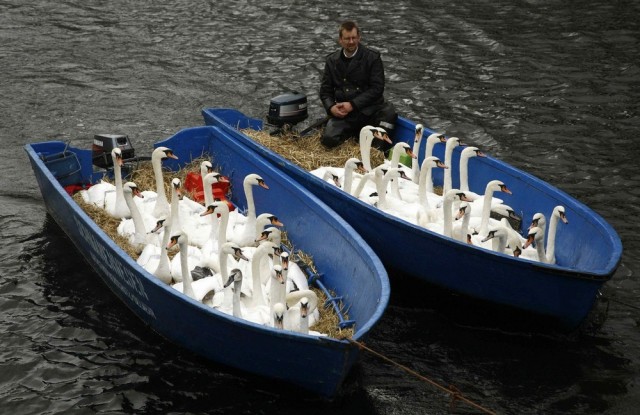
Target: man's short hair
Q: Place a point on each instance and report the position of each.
(348, 26)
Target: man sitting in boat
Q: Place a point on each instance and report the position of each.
(352, 90)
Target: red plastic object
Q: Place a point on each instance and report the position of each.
(193, 184)
(73, 188)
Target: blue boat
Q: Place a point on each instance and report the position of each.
(588, 250)
(348, 270)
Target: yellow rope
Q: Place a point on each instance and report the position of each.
(455, 393)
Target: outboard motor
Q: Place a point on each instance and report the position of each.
(287, 109)
(104, 143)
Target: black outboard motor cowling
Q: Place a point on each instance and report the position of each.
(104, 143)
(288, 108)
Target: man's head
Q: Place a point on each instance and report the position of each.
(349, 37)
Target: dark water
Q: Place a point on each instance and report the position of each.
(552, 87)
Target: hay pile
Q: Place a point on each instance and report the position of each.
(144, 178)
(307, 152)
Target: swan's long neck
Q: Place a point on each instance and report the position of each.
(542, 257)
(348, 180)
(175, 213)
(447, 217)
(425, 176)
(120, 205)
(415, 164)
(215, 224)
(277, 291)
(237, 311)
(164, 264)
(223, 225)
(224, 273)
(499, 243)
(464, 228)
(428, 153)
(464, 173)
(365, 150)
(550, 249)
(251, 207)
(257, 296)
(304, 324)
(208, 190)
(395, 157)
(428, 150)
(214, 231)
(140, 235)
(382, 182)
(162, 204)
(486, 212)
(187, 286)
(448, 156)
(365, 178)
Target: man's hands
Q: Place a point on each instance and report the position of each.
(341, 109)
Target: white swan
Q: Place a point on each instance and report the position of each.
(449, 197)
(224, 299)
(235, 277)
(114, 203)
(415, 164)
(161, 207)
(96, 194)
(297, 317)
(188, 215)
(266, 219)
(139, 238)
(381, 176)
(176, 226)
(465, 155)
(277, 287)
(352, 166)
(257, 272)
(427, 215)
(506, 240)
(432, 140)
(217, 228)
(557, 215)
(209, 178)
(340, 177)
(154, 258)
(294, 298)
(367, 134)
(278, 310)
(460, 230)
(538, 220)
(217, 235)
(534, 238)
(487, 200)
(515, 242)
(182, 240)
(498, 236)
(399, 149)
(294, 273)
(328, 174)
(244, 234)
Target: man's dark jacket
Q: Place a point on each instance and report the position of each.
(362, 83)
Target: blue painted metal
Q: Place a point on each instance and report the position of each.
(349, 267)
(588, 250)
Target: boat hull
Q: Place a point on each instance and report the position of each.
(588, 250)
(317, 364)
